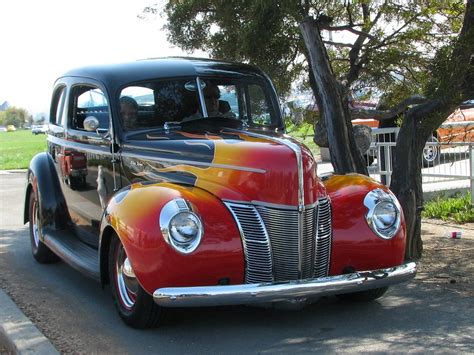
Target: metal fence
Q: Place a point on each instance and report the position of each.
(446, 166)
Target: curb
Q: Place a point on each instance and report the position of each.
(18, 334)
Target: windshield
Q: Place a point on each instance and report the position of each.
(159, 103)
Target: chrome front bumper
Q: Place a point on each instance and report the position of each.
(281, 291)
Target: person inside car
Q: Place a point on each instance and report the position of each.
(129, 112)
(213, 105)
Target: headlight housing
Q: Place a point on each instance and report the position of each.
(383, 213)
(181, 227)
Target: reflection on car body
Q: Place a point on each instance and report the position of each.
(216, 210)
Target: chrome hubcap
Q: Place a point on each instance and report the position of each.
(35, 226)
(127, 285)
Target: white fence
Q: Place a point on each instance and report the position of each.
(446, 166)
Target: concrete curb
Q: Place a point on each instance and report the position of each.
(18, 334)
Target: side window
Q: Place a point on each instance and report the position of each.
(228, 101)
(57, 107)
(259, 109)
(88, 101)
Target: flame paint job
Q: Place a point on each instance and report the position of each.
(230, 165)
(354, 243)
(134, 214)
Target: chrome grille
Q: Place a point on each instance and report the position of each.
(274, 250)
(258, 258)
(323, 239)
(282, 226)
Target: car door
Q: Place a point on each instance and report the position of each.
(84, 159)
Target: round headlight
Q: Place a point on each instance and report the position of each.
(184, 227)
(383, 213)
(181, 227)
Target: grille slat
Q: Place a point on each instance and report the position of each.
(281, 244)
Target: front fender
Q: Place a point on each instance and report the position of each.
(43, 181)
(355, 246)
(134, 214)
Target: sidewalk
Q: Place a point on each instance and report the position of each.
(18, 334)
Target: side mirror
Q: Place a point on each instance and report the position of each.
(91, 123)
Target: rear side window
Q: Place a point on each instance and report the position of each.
(89, 101)
(57, 106)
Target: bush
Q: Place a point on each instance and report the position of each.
(458, 209)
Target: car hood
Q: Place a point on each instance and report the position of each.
(234, 165)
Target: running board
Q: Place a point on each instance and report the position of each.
(74, 252)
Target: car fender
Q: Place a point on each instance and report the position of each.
(43, 181)
(133, 214)
(355, 246)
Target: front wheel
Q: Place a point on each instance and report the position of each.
(364, 296)
(135, 306)
(40, 251)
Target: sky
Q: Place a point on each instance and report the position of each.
(42, 39)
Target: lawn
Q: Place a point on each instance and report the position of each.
(17, 148)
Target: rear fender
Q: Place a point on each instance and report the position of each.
(355, 246)
(133, 214)
(43, 181)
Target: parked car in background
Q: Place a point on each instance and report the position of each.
(39, 129)
(11, 128)
(204, 200)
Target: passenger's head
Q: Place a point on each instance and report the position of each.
(211, 97)
(129, 112)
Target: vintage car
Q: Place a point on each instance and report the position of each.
(202, 201)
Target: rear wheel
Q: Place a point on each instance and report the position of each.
(135, 306)
(431, 152)
(40, 251)
(364, 296)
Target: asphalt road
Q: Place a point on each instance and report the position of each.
(77, 315)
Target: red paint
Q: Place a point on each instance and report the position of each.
(355, 245)
(157, 264)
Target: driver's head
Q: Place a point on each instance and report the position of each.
(211, 97)
(129, 112)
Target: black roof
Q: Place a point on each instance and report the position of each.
(116, 75)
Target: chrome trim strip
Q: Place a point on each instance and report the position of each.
(272, 205)
(280, 291)
(201, 97)
(195, 163)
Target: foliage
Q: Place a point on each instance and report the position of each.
(14, 116)
(304, 133)
(457, 208)
(374, 46)
(17, 148)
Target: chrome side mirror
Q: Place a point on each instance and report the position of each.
(91, 123)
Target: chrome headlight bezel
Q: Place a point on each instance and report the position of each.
(177, 208)
(374, 200)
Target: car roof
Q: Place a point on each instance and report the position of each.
(116, 75)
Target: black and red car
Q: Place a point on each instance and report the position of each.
(190, 209)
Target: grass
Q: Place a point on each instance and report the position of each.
(303, 133)
(458, 209)
(17, 148)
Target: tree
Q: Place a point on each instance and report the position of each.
(390, 49)
(14, 116)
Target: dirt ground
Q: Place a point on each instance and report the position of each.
(447, 263)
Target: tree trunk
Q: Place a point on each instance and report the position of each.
(345, 156)
(421, 121)
(406, 177)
